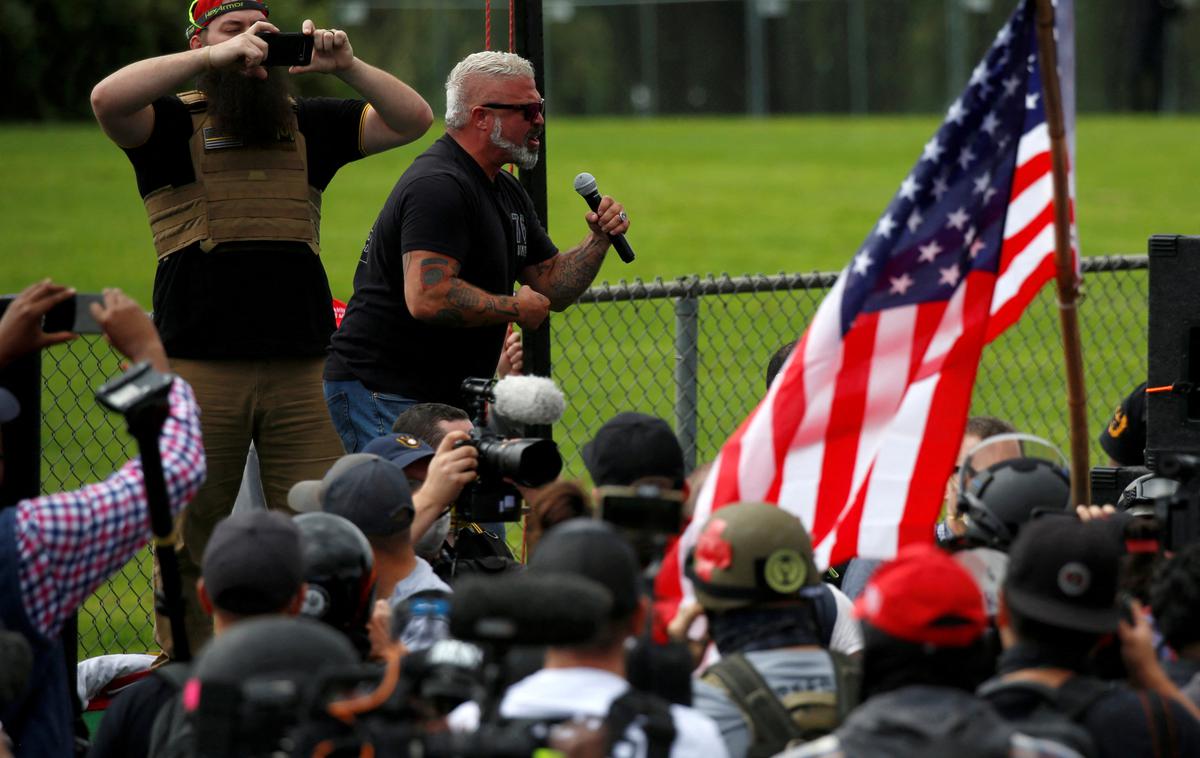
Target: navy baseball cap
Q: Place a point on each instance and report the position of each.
(400, 448)
(370, 492)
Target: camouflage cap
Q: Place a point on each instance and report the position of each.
(750, 554)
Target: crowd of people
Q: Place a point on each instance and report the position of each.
(362, 613)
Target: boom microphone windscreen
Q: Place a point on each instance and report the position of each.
(533, 400)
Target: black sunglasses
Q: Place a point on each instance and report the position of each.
(529, 110)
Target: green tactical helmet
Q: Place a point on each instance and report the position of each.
(751, 554)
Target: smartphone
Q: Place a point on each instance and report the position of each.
(73, 315)
(287, 48)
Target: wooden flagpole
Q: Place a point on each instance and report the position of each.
(1067, 282)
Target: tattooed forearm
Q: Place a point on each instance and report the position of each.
(505, 306)
(572, 273)
(435, 294)
(464, 296)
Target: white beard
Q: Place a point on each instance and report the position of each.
(520, 155)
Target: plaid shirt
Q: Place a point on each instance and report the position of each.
(69, 543)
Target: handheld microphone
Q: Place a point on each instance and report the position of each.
(533, 400)
(585, 185)
(528, 609)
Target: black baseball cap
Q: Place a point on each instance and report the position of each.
(1124, 437)
(594, 550)
(370, 492)
(634, 445)
(253, 563)
(1063, 572)
(400, 448)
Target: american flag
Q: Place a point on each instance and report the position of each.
(861, 427)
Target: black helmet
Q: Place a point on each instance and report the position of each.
(340, 570)
(996, 501)
(251, 684)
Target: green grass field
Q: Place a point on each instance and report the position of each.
(706, 195)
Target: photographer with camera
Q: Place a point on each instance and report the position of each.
(632, 449)
(55, 550)
(1059, 601)
(437, 479)
(231, 175)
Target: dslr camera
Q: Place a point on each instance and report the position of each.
(503, 461)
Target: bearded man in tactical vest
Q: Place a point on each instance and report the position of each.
(231, 175)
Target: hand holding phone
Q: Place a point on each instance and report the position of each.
(73, 315)
(21, 326)
(287, 48)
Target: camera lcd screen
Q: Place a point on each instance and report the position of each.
(641, 512)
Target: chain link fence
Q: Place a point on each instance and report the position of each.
(693, 351)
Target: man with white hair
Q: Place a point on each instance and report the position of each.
(433, 292)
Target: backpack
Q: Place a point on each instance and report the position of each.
(475, 552)
(1059, 713)
(927, 721)
(774, 725)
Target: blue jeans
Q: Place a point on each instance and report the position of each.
(360, 415)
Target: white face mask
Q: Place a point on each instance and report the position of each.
(431, 541)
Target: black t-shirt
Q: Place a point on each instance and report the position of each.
(444, 203)
(124, 732)
(251, 299)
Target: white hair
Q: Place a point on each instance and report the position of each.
(490, 63)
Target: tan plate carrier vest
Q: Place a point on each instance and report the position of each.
(240, 194)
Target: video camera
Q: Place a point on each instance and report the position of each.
(647, 516)
(503, 461)
(397, 709)
(1172, 401)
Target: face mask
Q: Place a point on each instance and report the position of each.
(431, 542)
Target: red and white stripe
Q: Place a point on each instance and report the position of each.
(858, 434)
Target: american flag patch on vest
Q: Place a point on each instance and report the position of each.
(214, 140)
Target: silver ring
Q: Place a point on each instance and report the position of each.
(622, 216)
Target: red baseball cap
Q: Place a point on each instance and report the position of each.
(202, 12)
(924, 596)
